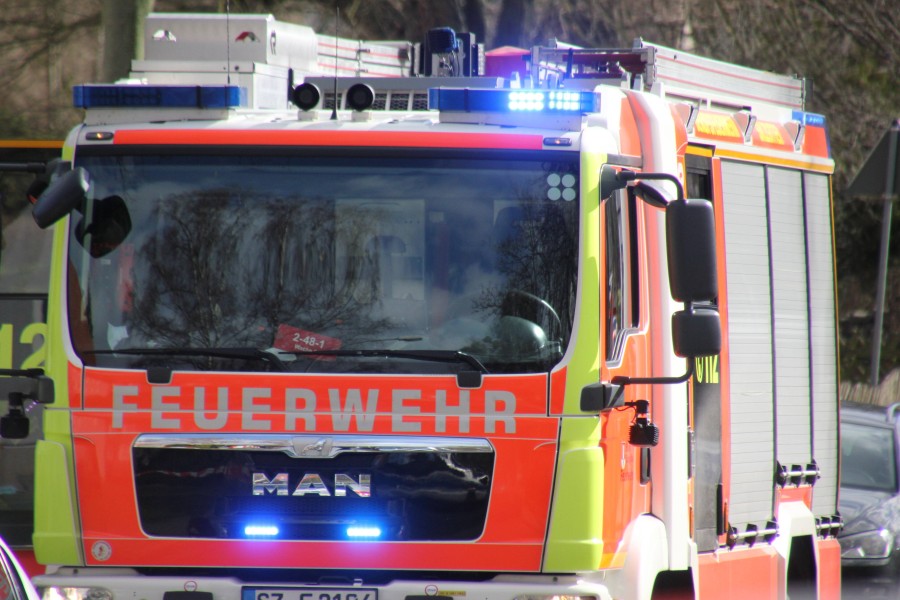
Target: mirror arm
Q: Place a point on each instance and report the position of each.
(622, 380)
(627, 175)
(30, 373)
(619, 382)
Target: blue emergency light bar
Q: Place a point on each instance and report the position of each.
(511, 101)
(363, 532)
(158, 96)
(261, 530)
(808, 118)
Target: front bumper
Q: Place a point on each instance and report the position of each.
(128, 584)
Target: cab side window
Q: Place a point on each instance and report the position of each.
(698, 180)
(621, 270)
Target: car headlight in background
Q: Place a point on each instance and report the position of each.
(875, 544)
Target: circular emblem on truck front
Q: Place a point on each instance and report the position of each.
(101, 550)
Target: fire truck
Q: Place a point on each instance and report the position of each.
(344, 320)
(24, 271)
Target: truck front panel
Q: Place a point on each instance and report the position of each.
(320, 351)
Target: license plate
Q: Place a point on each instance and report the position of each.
(310, 593)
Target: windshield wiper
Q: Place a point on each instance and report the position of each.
(443, 356)
(246, 353)
(163, 374)
(464, 378)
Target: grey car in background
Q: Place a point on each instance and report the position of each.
(870, 499)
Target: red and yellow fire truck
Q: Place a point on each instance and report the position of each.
(339, 320)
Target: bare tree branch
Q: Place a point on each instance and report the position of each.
(37, 45)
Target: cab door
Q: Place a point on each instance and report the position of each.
(708, 505)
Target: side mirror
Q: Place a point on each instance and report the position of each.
(696, 331)
(691, 250)
(690, 232)
(62, 196)
(42, 179)
(691, 254)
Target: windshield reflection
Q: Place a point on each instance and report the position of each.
(310, 257)
(868, 457)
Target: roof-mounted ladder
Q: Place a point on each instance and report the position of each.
(684, 75)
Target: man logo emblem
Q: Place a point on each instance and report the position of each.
(312, 484)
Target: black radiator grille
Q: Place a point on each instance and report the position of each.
(406, 495)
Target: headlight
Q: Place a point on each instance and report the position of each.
(869, 544)
(54, 592)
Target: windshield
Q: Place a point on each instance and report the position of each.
(325, 263)
(868, 457)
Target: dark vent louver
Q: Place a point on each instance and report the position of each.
(400, 101)
(420, 101)
(328, 102)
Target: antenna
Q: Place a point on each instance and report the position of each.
(228, 42)
(337, 17)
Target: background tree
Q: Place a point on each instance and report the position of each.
(123, 30)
